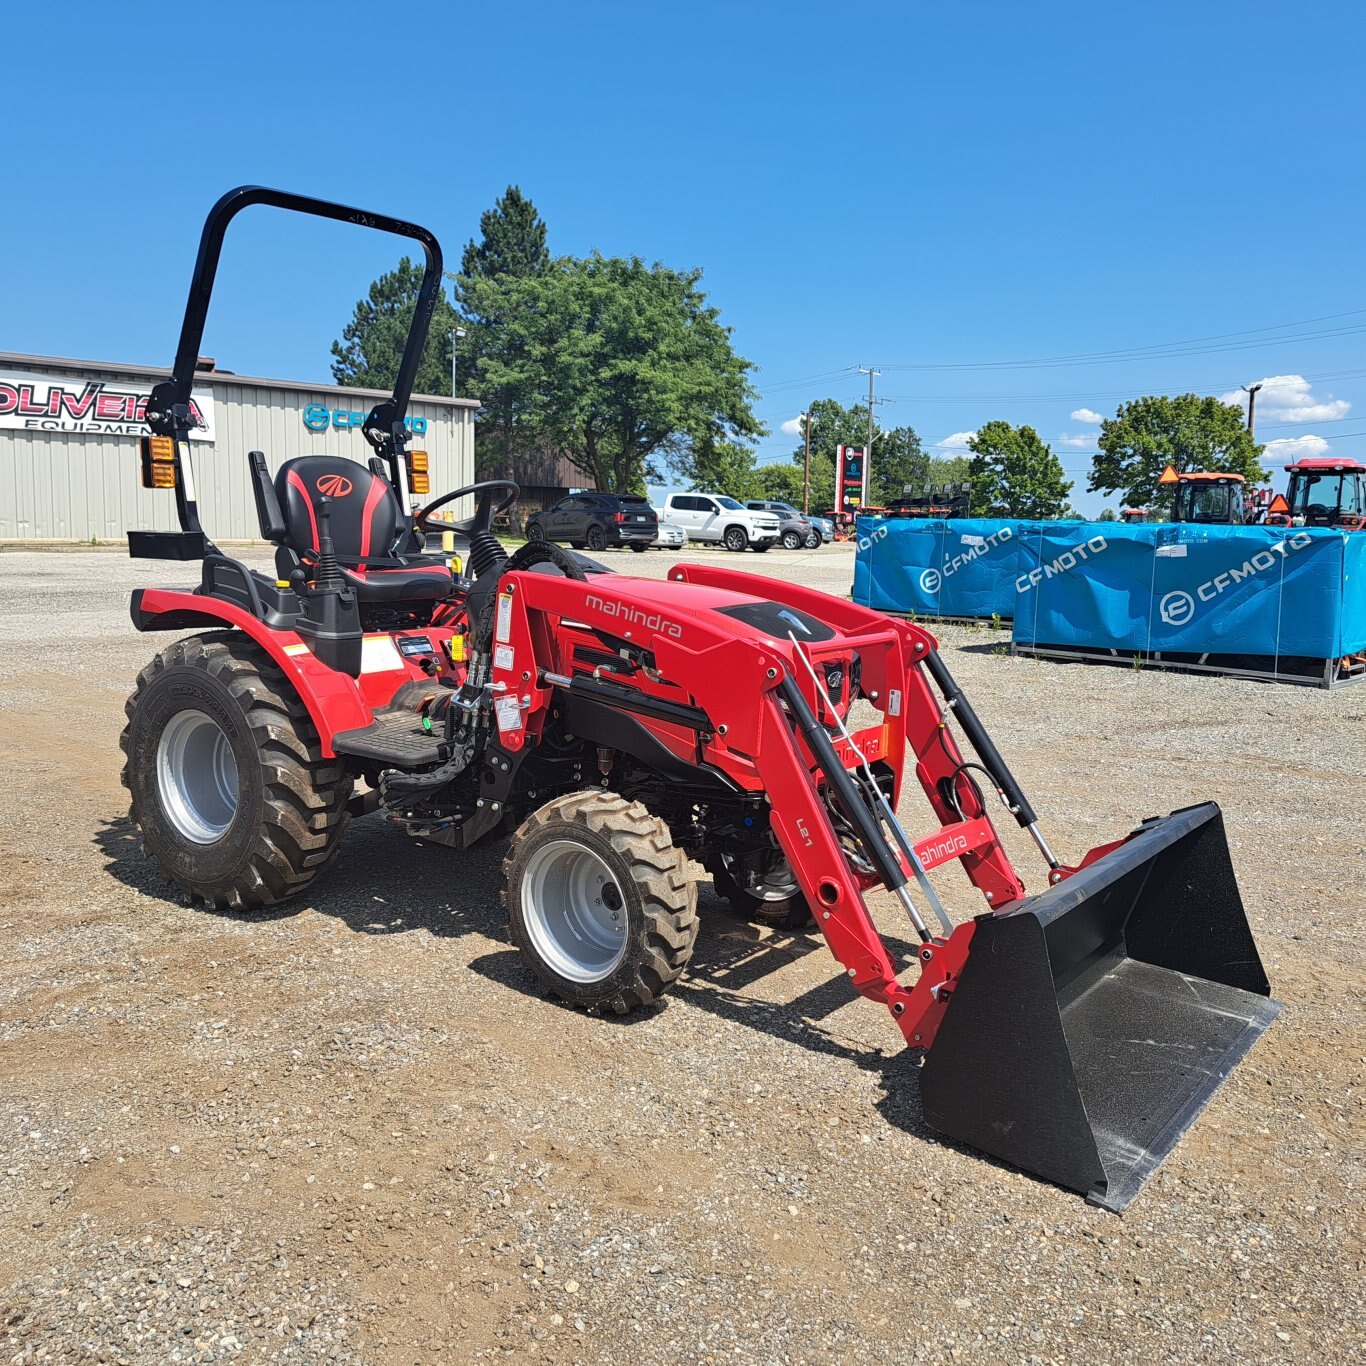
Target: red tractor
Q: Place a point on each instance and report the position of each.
(624, 731)
(1323, 491)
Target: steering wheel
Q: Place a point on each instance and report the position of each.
(484, 513)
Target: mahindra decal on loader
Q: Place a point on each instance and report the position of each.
(621, 728)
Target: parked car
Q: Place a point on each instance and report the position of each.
(597, 520)
(795, 529)
(825, 526)
(670, 536)
(720, 519)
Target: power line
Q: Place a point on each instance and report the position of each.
(1153, 350)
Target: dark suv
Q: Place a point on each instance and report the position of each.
(597, 520)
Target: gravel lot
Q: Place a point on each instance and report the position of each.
(353, 1131)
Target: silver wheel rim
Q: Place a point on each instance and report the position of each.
(197, 776)
(574, 911)
(735, 540)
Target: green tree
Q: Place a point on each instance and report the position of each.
(1015, 473)
(949, 469)
(512, 247)
(371, 345)
(716, 466)
(1187, 432)
(615, 363)
(1108, 515)
(512, 241)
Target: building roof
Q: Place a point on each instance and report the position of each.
(24, 362)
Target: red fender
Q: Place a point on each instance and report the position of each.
(333, 699)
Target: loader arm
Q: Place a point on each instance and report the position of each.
(751, 692)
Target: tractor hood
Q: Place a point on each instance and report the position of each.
(658, 606)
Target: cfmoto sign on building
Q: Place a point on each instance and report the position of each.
(318, 418)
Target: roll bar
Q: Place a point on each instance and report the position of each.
(168, 412)
(168, 408)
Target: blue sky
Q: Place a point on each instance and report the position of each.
(959, 194)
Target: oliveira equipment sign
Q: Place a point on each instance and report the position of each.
(40, 403)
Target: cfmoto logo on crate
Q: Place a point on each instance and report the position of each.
(1178, 607)
(977, 546)
(1069, 559)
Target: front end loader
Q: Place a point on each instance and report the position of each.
(624, 731)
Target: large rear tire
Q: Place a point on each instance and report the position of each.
(226, 775)
(599, 901)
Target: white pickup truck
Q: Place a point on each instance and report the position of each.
(718, 518)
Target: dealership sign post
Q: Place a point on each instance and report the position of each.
(42, 403)
(849, 474)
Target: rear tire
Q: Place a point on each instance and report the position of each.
(760, 546)
(597, 539)
(576, 545)
(599, 901)
(735, 538)
(640, 547)
(792, 540)
(228, 784)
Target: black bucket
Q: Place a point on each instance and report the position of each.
(1091, 1026)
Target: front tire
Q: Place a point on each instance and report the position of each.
(759, 547)
(813, 541)
(599, 901)
(535, 532)
(735, 538)
(226, 776)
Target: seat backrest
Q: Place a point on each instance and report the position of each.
(365, 512)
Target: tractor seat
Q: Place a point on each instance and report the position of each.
(366, 522)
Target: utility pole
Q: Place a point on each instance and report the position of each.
(806, 482)
(1251, 392)
(455, 337)
(868, 450)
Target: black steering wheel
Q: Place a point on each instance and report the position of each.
(484, 513)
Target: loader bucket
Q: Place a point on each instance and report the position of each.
(1092, 1025)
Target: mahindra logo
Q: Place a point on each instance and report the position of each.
(931, 856)
(652, 621)
(334, 486)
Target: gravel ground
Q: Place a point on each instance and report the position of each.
(353, 1131)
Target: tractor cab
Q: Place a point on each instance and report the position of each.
(1325, 492)
(1133, 516)
(1210, 499)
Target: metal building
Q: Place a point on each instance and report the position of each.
(69, 450)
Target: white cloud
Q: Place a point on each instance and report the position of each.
(792, 427)
(1293, 447)
(957, 442)
(1077, 443)
(1287, 398)
(1086, 415)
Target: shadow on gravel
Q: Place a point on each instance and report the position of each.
(384, 883)
(381, 883)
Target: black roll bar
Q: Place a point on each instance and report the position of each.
(168, 408)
